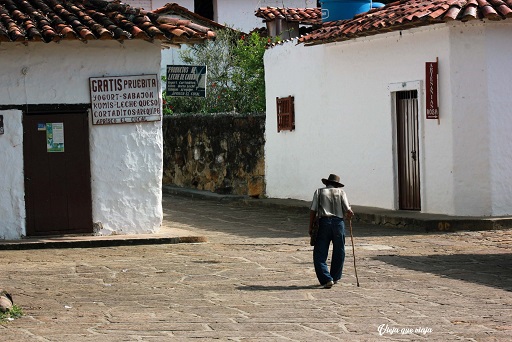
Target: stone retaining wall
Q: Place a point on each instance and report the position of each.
(222, 153)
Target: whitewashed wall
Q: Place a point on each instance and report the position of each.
(345, 120)
(469, 94)
(12, 194)
(500, 116)
(126, 160)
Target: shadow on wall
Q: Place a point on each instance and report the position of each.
(222, 153)
(493, 270)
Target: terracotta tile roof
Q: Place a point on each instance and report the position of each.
(55, 20)
(176, 9)
(309, 16)
(406, 14)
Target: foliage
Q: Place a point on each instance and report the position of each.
(235, 75)
(166, 100)
(13, 313)
(249, 76)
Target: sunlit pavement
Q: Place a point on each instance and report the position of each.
(253, 280)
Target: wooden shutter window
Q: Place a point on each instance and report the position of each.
(285, 113)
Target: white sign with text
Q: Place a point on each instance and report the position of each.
(125, 99)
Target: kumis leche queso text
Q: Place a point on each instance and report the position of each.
(125, 100)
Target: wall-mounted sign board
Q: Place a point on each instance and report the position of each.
(125, 99)
(432, 101)
(186, 80)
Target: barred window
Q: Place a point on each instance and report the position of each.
(285, 114)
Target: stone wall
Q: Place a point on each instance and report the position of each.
(222, 153)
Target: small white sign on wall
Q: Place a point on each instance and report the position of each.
(125, 99)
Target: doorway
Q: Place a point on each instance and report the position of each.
(408, 150)
(204, 8)
(57, 173)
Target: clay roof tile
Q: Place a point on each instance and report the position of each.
(404, 14)
(52, 20)
(305, 16)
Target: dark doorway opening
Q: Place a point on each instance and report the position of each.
(204, 8)
(408, 150)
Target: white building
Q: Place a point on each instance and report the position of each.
(354, 82)
(63, 169)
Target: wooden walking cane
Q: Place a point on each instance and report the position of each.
(353, 251)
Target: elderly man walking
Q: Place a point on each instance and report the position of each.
(331, 205)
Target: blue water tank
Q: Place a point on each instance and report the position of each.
(345, 9)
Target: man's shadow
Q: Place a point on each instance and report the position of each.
(279, 287)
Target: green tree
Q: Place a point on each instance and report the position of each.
(235, 78)
(249, 73)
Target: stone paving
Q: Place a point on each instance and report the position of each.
(253, 280)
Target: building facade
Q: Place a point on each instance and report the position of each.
(361, 111)
(81, 132)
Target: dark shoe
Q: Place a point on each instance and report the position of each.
(328, 285)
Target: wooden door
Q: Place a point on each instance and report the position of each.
(57, 176)
(408, 150)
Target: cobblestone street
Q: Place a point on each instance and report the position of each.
(253, 280)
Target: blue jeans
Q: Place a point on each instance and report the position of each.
(330, 229)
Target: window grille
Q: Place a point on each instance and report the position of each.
(285, 114)
(408, 150)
